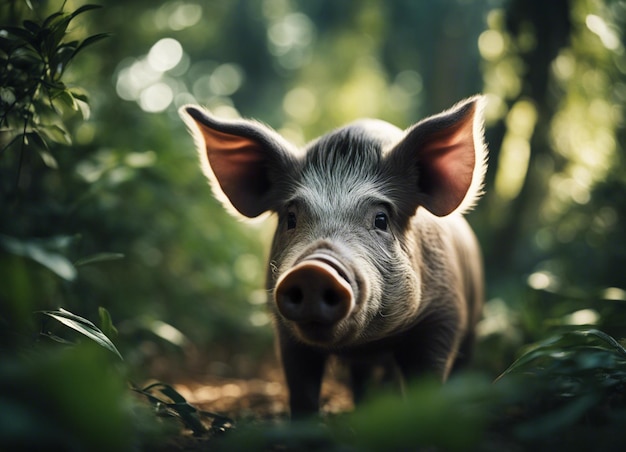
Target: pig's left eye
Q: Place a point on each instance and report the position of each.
(380, 221)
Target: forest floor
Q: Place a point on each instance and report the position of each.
(258, 398)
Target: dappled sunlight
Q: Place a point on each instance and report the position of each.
(608, 36)
(290, 38)
(515, 150)
(106, 213)
(543, 280)
(301, 105)
(173, 15)
(559, 163)
(362, 94)
(583, 133)
(582, 317)
(502, 73)
(165, 54)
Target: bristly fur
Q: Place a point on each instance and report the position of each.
(343, 168)
(350, 200)
(350, 154)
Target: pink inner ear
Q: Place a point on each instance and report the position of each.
(239, 167)
(447, 160)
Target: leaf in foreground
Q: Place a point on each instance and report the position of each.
(84, 327)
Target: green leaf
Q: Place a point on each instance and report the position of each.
(7, 45)
(99, 257)
(56, 338)
(177, 406)
(84, 327)
(79, 96)
(59, 29)
(36, 251)
(67, 99)
(568, 345)
(42, 149)
(84, 109)
(50, 18)
(91, 40)
(57, 134)
(19, 32)
(35, 138)
(15, 139)
(84, 9)
(106, 323)
(31, 26)
(48, 159)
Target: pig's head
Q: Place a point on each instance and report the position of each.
(343, 268)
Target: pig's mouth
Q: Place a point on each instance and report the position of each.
(317, 296)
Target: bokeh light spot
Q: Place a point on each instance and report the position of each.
(156, 98)
(165, 54)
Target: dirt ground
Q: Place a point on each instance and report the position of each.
(261, 395)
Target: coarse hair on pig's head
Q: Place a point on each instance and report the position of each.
(249, 165)
(352, 194)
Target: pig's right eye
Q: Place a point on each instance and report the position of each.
(291, 220)
(380, 221)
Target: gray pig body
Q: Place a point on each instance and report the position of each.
(372, 260)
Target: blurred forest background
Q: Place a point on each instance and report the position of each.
(102, 203)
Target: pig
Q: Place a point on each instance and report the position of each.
(372, 260)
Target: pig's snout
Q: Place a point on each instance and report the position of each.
(315, 291)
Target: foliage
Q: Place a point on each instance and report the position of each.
(103, 209)
(67, 399)
(168, 402)
(85, 327)
(565, 392)
(33, 95)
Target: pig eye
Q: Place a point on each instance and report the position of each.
(291, 220)
(380, 221)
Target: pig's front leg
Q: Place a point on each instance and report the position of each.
(304, 369)
(429, 348)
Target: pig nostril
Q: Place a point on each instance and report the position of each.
(294, 295)
(313, 292)
(331, 297)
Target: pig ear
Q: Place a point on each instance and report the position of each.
(449, 154)
(239, 158)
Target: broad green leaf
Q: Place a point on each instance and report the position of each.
(84, 327)
(99, 257)
(67, 99)
(57, 134)
(84, 109)
(56, 262)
